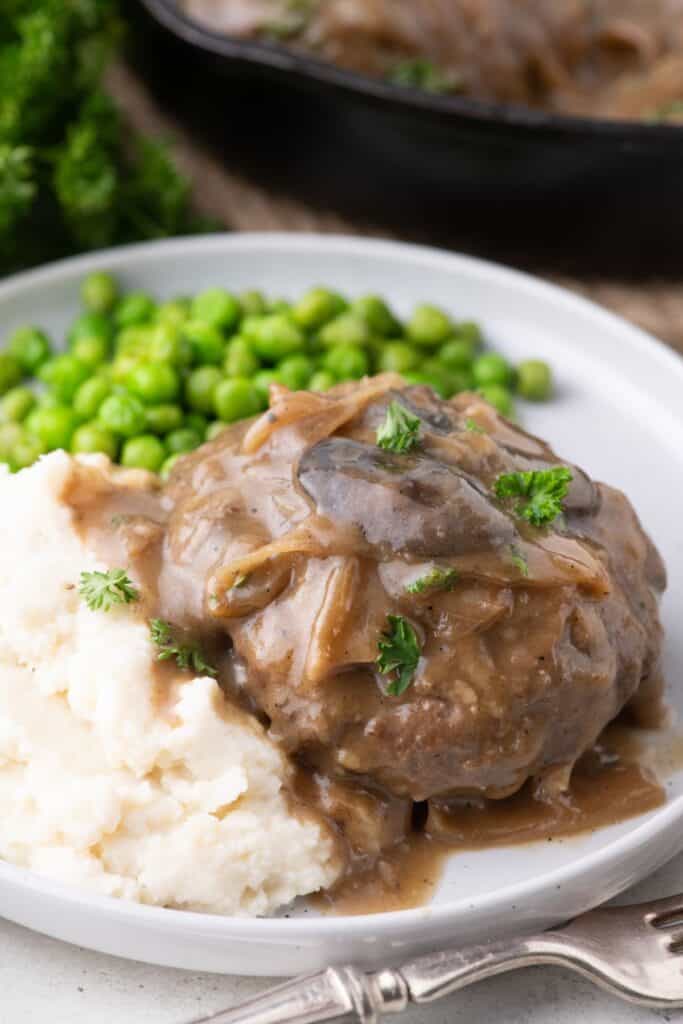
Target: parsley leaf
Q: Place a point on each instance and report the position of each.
(399, 653)
(519, 560)
(399, 431)
(437, 577)
(542, 492)
(422, 73)
(187, 656)
(473, 426)
(102, 590)
(72, 175)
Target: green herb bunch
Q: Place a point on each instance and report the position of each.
(71, 177)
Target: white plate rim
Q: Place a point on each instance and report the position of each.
(388, 924)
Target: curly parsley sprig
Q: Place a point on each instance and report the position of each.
(436, 579)
(541, 491)
(102, 590)
(187, 656)
(399, 431)
(399, 654)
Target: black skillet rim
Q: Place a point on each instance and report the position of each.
(454, 110)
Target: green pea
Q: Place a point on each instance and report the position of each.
(89, 325)
(30, 347)
(25, 452)
(183, 440)
(173, 313)
(90, 349)
(216, 307)
(397, 357)
(166, 344)
(10, 434)
(236, 399)
(16, 404)
(347, 362)
(534, 380)
(279, 306)
(135, 341)
(162, 419)
(275, 336)
(134, 308)
(491, 368)
(99, 292)
(63, 375)
(429, 326)
(91, 437)
(250, 325)
(450, 382)
(240, 359)
(253, 303)
(122, 367)
(197, 422)
(123, 414)
(89, 397)
(53, 426)
(497, 396)
(143, 452)
(346, 329)
(10, 372)
(200, 388)
(295, 372)
(377, 315)
(322, 380)
(206, 341)
(167, 466)
(317, 307)
(214, 429)
(438, 381)
(154, 383)
(457, 354)
(262, 381)
(469, 332)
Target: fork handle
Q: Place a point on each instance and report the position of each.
(346, 994)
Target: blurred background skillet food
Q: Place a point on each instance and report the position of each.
(598, 58)
(560, 149)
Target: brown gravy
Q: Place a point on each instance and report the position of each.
(374, 762)
(610, 784)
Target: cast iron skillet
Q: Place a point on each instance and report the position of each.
(507, 182)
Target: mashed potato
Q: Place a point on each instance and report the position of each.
(99, 786)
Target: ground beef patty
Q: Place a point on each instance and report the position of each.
(311, 538)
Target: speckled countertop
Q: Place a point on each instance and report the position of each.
(47, 982)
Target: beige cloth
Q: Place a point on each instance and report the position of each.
(231, 199)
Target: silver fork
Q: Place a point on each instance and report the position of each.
(633, 952)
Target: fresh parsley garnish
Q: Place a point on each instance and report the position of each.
(519, 560)
(672, 111)
(241, 581)
(187, 656)
(73, 175)
(399, 431)
(102, 590)
(294, 16)
(422, 73)
(443, 579)
(473, 426)
(542, 492)
(399, 653)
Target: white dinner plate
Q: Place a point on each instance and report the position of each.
(618, 414)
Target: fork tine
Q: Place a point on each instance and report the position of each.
(665, 913)
(675, 941)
